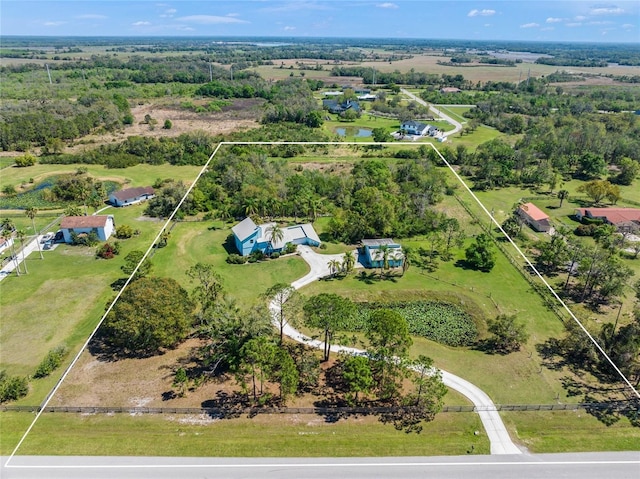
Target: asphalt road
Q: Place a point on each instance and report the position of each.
(545, 466)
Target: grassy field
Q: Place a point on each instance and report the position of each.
(260, 436)
(193, 242)
(455, 112)
(139, 175)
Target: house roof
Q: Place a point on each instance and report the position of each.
(613, 215)
(244, 229)
(379, 242)
(133, 193)
(533, 212)
(95, 221)
(289, 234)
(415, 124)
(450, 89)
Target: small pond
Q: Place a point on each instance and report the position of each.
(354, 131)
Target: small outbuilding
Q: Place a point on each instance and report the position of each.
(102, 225)
(131, 196)
(534, 217)
(373, 253)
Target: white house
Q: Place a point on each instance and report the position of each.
(131, 196)
(5, 243)
(101, 225)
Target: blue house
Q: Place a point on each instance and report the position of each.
(334, 107)
(250, 237)
(373, 253)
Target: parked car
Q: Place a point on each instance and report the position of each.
(46, 237)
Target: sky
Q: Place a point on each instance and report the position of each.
(525, 20)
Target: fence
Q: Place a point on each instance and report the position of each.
(618, 406)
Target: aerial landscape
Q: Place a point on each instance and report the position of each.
(319, 238)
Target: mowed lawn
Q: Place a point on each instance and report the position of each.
(283, 435)
(193, 242)
(61, 299)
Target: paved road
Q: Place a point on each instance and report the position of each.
(21, 254)
(456, 124)
(545, 466)
(499, 438)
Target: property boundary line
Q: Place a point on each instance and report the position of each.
(66, 372)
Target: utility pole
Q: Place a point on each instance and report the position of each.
(210, 72)
(48, 73)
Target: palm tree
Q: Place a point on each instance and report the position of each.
(275, 234)
(8, 228)
(334, 266)
(348, 261)
(562, 195)
(21, 236)
(31, 213)
(384, 254)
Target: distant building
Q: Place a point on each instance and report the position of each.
(131, 196)
(373, 255)
(334, 107)
(416, 128)
(450, 89)
(102, 225)
(250, 237)
(534, 217)
(626, 220)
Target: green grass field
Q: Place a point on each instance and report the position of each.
(261, 436)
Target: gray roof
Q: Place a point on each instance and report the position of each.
(244, 229)
(379, 242)
(133, 193)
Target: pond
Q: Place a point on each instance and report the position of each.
(354, 131)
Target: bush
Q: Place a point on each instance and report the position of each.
(85, 239)
(289, 248)
(12, 388)
(257, 255)
(108, 250)
(124, 232)
(25, 160)
(51, 362)
(236, 259)
(585, 230)
(275, 255)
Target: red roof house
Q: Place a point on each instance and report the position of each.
(534, 217)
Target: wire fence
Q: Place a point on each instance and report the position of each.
(613, 406)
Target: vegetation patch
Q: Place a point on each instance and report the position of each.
(439, 321)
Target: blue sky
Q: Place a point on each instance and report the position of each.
(477, 20)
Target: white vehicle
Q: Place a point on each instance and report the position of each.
(47, 237)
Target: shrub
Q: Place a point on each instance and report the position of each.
(236, 259)
(257, 255)
(108, 250)
(85, 239)
(586, 230)
(12, 387)
(25, 160)
(51, 362)
(275, 255)
(124, 232)
(289, 248)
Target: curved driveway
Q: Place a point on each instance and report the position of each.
(496, 431)
(444, 116)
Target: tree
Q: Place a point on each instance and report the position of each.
(389, 340)
(31, 213)
(25, 160)
(167, 125)
(284, 299)
(258, 360)
(508, 333)
(275, 235)
(597, 190)
(132, 260)
(592, 165)
(629, 169)
(380, 135)
(480, 254)
(21, 235)
(334, 267)
(562, 195)
(180, 381)
(553, 254)
(356, 373)
(151, 314)
(286, 374)
(348, 261)
(209, 285)
(329, 313)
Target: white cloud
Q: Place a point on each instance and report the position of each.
(628, 26)
(554, 20)
(387, 5)
(289, 28)
(140, 23)
(296, 6)
(91, 16)
(210, 19)
(609, 10)
(487, 25)
(600, 23)
(530, 25)
(574, 24)
(547, 29)
(53, 24)
(233, 15)
(169, 13)
(481, 13)
(580, 18)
